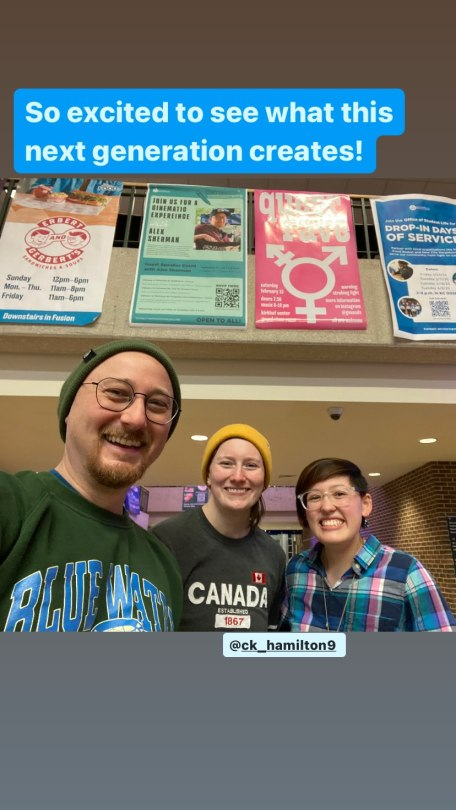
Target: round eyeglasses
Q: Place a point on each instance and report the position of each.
(117, 395)
(338, 496)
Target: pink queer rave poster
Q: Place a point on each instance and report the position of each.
(306, 263)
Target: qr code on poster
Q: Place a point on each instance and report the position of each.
(227, 296)
(440, 309)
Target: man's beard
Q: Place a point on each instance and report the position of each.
(116, 475)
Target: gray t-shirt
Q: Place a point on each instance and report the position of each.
(229, 584)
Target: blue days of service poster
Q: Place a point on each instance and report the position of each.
(192, 264)
(417, 243)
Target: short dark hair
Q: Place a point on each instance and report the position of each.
(320, 470)
(216, 211)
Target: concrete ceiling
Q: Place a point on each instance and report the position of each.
(386, 410)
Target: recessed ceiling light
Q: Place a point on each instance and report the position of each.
(374, 475)
(427, 441)
(199, 438)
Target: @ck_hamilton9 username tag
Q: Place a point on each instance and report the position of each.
(280, 645)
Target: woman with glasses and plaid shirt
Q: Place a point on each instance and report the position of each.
(346, 582)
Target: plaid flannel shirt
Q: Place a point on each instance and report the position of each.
(385, 590)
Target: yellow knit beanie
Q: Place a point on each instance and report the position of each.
(238, 431)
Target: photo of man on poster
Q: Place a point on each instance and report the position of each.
(210, 233)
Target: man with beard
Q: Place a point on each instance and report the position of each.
(70, 558)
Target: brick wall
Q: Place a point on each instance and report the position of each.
(410, 513)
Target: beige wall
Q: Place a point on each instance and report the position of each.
(375, 344)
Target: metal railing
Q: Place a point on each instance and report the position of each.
(131, 214)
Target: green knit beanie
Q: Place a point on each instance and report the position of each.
(94, 357)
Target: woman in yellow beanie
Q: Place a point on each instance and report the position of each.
(232, 570)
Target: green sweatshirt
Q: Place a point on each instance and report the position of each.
(68, 565)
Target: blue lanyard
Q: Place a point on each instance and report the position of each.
(70, 486)
(63, 480)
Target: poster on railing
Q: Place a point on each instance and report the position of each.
(194, 496)
(417, 242)
(192, 267)
(55, 250)
(306, 263)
